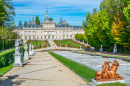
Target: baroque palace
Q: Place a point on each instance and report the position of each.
(48, 30)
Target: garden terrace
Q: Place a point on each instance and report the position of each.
(38, 43)
(70, 43)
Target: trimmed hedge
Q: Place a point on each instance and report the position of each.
(6, 58)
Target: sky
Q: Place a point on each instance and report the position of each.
(72, 11)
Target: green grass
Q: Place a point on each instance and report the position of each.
(79, 69)
(113, 84)
(5, 69)
(36, 43)
(64, 42)
(103, 55)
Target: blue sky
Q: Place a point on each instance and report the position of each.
(73, 11)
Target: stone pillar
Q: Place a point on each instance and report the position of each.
(83, 41)
(42, 46)
(17, 56)
(101, 49)
(66, 45)
(30, 49)
(60, 45)
(87, 42)
(26, 53)
(115, 48)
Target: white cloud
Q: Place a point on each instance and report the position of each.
(56, 8)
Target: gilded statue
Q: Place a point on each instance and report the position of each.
(107, 72)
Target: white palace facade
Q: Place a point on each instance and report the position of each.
(48, 30)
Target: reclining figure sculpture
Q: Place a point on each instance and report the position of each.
(108, 73)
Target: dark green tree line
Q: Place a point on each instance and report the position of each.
(109, 25)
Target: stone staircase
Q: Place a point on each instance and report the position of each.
(53, 45)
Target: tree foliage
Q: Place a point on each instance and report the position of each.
(106, 26)
(20, 23)
(25, 23)
(7, 23)
(51, 19)
(37, 20)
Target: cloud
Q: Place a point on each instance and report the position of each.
(72, 10)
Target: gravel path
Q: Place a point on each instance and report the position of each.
(42, 70)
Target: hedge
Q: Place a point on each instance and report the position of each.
(6, 58)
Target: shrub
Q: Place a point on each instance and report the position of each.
(6, 58)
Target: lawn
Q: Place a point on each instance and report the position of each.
(79, 69)
(3, 70)
(113, 84)
(64, 42)
(38, 42)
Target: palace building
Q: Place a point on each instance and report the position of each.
(48, 30)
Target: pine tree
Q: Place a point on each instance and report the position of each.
(20, 23)
(25, 23)
(51, 19)
(37, 20)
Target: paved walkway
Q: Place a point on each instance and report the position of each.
(42, 70)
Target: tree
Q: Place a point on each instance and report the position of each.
(51, 19)
(126, 9)
(37, 20)
(120, 32)
(20, 23)
(25, 23)
(6, 12)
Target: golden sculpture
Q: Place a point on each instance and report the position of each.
(108, 73)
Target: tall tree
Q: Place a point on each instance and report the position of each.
(25, 23)
(51, 19)
(37, 20)
(20, 23)
(120, 32)
(126, 10)
(6, 12)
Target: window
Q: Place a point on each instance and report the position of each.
(71, 36)
(25, 33)
(48, 37)
(29, 36)
(45, 37)
(67, 37)
(52, 37)
(26, 37)
(64, 33)
(56, 37)
(33, 36)
(37, 37)
(60, 37)
(63, 37)
(41, 37)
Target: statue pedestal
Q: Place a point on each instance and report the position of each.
(30, 52)
(26, 55)
(101, 82)
(33, 52)
(115, 50)
(101, 49)
(17, 60)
